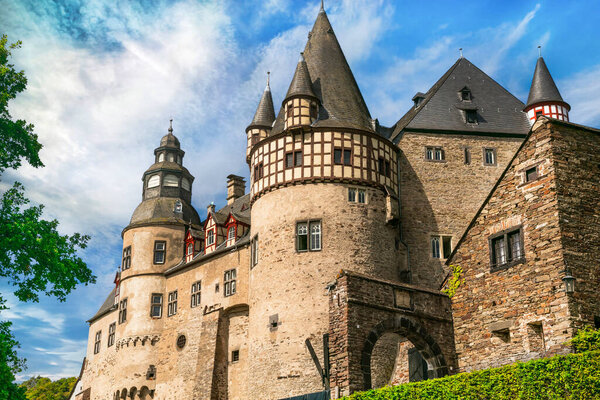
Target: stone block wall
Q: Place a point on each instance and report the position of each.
(519, 311)
(441, 197)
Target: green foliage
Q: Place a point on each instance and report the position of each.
(574, 376)
(17, 140)
(586, 339)
(34, 257)
(455, 281)
(44, 389)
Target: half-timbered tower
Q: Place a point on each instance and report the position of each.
(544, 97)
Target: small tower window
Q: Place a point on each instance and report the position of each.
(161, 157)
(156, 305)
(171, 180)
(171, 157)
(160, 248)
(313, 111)
(185, 184)
(154, 181)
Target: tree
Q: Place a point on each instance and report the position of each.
(34, 256)
(40, 388)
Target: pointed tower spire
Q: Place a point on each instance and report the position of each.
(544, 97)
(322, 9)
(301, 84)
(261, 124)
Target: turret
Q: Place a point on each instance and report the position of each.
(544, 97)
(261, 124)
(300, 104)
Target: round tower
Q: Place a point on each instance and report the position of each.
(261, 124)
(544, 97)
(152, 242)
(323, 187)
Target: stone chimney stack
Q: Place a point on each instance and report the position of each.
(210, 208)
(236, 187)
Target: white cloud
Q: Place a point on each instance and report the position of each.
(581, 92)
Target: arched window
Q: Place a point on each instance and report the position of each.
(171, 157)
(185, 184)
(171, 180)
(161, 157)
(154, 181)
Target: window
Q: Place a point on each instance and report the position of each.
(435, 154)
(235, 356)
(171, 157)
(231, 233)
(297, 158)
(337, 156)
(302, 236)
(471, 116)
(465, 95)
(230, 282)
(154, 181)
(181, 340)
(290, 111)
(531, 174)
(160, 248)
(126, 262)
(467, 156)
(384, 167)
(172, 304)
(111, 333)
(122, 311)
(314, 111)
(506, 249)
(357, 195)
(538, 114)
(347, 157)
(156, 305)
(161, 157)
(289, 160)
(185, 184)
(489, 156)
(258, 172)
(196, 287)
(210, 237)
(315, 235)
(171, 180)
(97, 342)
(351, 195)
(441, 246)
(254, 252)
(254, 139)
(190, 249)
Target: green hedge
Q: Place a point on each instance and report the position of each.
(574, 376)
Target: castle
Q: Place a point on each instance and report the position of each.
(326, 277)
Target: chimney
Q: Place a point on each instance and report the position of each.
(210, 208)
(236, 187)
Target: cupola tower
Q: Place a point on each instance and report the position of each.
(261, 124)
(544, 97)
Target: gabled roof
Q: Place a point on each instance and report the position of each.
(237, 208)
(499, 112)
(106, 307)
(342, 104)
(543, 87)
(265, 112)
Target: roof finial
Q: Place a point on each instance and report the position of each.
(268, 80)
(171, 125)
(540, 51)
(322, 7)
(460, 50)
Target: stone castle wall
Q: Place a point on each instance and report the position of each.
(441, 197)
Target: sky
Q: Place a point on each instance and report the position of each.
(106, 76)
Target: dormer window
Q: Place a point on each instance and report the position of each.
(471, 116)
(210, 238)
(231, 233)
(465, 94)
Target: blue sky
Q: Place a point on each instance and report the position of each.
(106, 76)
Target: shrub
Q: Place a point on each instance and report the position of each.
(574, 376)
(586, 339)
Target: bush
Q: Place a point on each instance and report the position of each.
(586, 339)
(574, 376)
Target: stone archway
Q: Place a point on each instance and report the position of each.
(416, 334)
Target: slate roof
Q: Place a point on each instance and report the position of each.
(160, 209)
(169, 140)
(499, 112)
(106, 307)
(301, 84)
(265, 112)
(543, 87)
(342, 104)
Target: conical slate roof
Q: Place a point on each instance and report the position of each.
(265, 113)
(342, 104)
(543, 87)
(301, 84)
